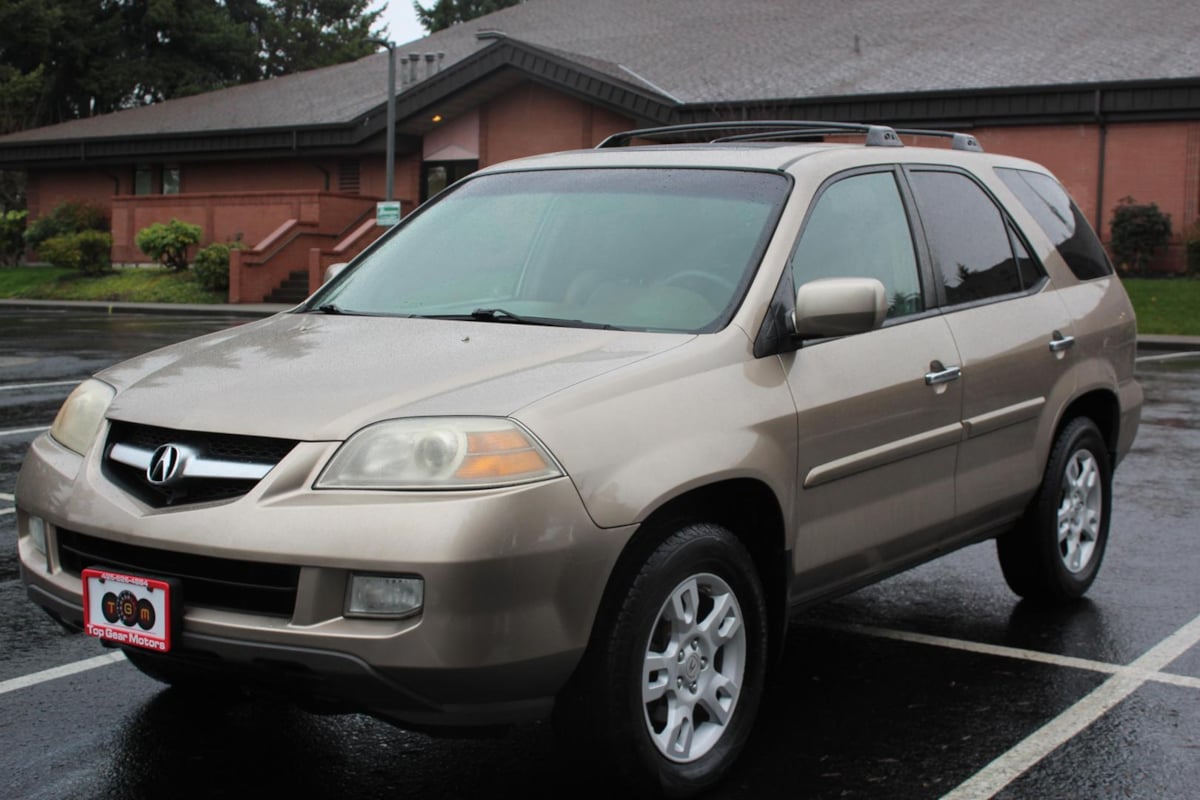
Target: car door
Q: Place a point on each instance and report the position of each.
(1013, 334)
(878, 413)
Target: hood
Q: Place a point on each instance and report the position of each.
(321, 377)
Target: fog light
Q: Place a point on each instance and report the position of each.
(389, 596)
(37, 533)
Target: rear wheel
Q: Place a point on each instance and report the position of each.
(673, 678)
(1056, 551)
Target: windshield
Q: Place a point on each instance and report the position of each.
(648, 249)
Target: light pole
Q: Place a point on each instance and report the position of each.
(391, 114)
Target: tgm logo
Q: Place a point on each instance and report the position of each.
(166, 465)
(127, 609)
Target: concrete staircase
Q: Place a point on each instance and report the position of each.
(293, 290)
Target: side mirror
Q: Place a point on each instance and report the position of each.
(333, 270)
(839, 307)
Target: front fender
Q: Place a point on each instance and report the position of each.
(634, 439)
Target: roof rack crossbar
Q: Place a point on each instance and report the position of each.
(877, 135)
(959, 141)
(762, 136)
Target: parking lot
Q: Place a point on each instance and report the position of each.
(935, 683)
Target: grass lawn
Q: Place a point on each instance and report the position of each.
(142, 285)
(1166, 305)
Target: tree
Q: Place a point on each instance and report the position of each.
(295, 35)
(66, 59)
(444, 13)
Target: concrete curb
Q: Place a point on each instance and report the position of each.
(1147, 342)
(1155, 342)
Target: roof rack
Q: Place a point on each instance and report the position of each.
(764, 130)
(959, 141)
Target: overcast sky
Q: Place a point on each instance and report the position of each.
(401, 20)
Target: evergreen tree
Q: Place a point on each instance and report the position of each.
(66, 59)
(444, 13)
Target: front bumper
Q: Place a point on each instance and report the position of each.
(513, 579)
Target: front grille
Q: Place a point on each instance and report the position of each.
(228, 448)
(247, 586)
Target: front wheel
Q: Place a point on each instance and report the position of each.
(1055, 552)
(676, 668)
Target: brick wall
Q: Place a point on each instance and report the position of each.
(1154, 162)
(533, 119)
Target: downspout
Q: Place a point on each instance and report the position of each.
(1102, 159)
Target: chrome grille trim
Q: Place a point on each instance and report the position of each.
(194, 465)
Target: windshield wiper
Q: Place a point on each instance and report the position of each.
(501, 315)
(330, 308)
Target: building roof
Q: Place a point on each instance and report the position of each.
(658, 60)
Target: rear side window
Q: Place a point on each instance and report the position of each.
(1050, 205)
(968, 237)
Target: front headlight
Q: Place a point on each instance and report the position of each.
(79, 419)
(438, 453)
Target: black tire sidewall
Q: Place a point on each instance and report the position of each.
(693, 550)
(1061, 583)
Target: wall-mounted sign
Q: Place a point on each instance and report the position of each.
(387, 213)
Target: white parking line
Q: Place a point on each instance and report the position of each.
(12, 387)
(1020, 654)
(4, 512)
(18, 431)
(26, 681)
(1028, 753)
(1166, 357)
(8, 497)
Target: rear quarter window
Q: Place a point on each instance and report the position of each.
(1058, 216)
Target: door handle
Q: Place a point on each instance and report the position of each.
(1060, 343)
(939, 374)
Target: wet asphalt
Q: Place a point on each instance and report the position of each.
(907, 689)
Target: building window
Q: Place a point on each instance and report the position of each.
(143, 180)
(170, 180)
(437, 175)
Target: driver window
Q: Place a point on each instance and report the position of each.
(859, 229)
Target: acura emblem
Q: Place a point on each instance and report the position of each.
(165, 465)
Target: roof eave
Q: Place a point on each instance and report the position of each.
(1110, 101)
(473, 72)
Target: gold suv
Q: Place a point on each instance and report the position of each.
(574, 438)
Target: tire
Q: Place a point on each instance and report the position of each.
(673, 677)
(1056, 550)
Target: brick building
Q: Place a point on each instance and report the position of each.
(1105, 94)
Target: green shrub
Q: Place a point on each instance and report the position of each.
(66, 218)
(12, 236)
(1138, 231)
(1192, 249)
(211, 266)
(87, 251)
(168, 243)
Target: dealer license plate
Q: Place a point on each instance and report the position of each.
(127, 609)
